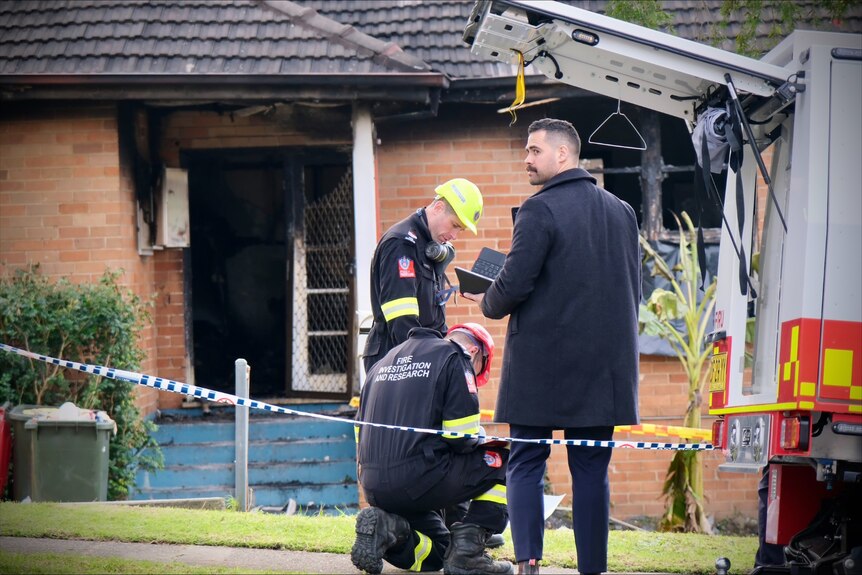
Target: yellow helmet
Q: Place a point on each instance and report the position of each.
(465, 198)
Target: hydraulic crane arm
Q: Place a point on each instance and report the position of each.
(617, 59)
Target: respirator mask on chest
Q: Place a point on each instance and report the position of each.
(440, 255)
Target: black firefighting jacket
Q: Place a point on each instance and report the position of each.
(426, 382)
(404, 285)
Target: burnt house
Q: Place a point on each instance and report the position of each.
(239, 160)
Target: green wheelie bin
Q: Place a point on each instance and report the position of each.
(60, 454)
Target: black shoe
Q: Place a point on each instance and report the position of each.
(466, 553)
(376, 531)
(494, 541)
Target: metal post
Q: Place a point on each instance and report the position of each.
(242, 372)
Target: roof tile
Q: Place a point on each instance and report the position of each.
(431, 29)
(304, 36)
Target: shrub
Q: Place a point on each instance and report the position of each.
(88, 323)
(683, 486)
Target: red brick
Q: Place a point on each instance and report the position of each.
(74, 208)
(75, 255)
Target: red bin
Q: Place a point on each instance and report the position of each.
(5, 449)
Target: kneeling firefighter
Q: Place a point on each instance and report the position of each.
(429, 382)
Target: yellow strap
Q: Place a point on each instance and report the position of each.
(469, 424)
(400, 307)
(520, 89)
(667, 431)
(421, 552)
(356, 433)
(496, 494)
(647, 429)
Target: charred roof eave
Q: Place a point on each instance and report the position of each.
(329, 87)
(501, 90)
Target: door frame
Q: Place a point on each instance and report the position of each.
(293, 160)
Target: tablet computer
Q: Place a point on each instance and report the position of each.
(470, 282)
(485, 269)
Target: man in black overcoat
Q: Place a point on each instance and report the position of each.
(571, 288)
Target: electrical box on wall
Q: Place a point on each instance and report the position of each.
(172, 223)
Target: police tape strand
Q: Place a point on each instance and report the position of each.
(226, 398)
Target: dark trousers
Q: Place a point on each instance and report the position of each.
(470, 475)
(455, 513)
(590, 506)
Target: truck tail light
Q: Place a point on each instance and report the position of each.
(795, 432)
(718, 433)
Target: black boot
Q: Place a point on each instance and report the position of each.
(466, 553)
(376, 531)
(494, 541)
(530, 567)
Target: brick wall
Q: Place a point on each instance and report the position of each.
(66, 202)
(170, 324)
(637, 476)
(478, 144)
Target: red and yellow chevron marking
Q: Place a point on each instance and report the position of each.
(842, 362)
(838, 367)
(797, 362)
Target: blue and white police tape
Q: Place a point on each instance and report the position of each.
(220, 397)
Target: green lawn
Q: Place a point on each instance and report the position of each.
(628, 550)
(51, 563)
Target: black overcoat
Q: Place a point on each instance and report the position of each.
(571, 286)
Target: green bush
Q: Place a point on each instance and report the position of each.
(87, 323)
(683, 485)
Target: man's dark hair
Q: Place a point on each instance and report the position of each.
(560, 129)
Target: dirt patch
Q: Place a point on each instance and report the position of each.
(736, 524)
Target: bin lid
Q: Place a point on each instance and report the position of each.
(65, 414)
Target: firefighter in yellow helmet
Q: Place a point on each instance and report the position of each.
(408, 284)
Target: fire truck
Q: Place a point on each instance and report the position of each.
(786, 363)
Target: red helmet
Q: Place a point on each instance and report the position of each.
(479, 333)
